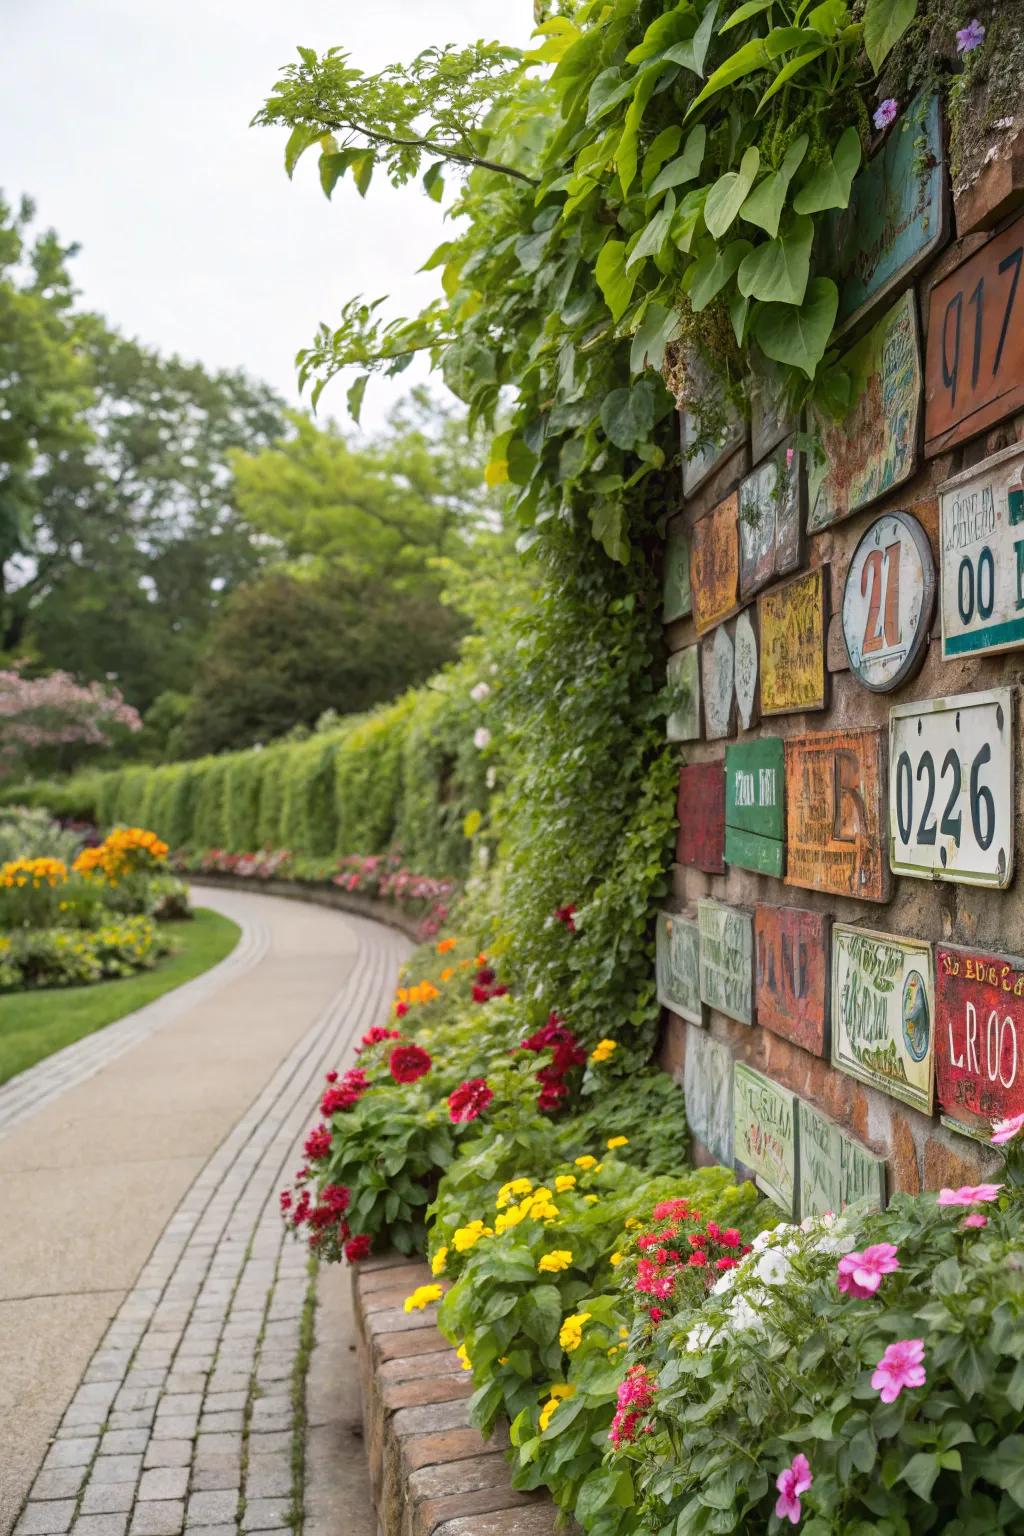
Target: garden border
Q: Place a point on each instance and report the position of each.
(321, 895)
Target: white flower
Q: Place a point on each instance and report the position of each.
(481, 738)
(699, 1338)
(480, 692)
(773, 1268)
(743, 1315)
(492, 777)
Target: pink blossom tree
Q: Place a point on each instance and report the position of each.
(46, 720)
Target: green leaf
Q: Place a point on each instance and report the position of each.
(745, 61)
(799, 336)
(829, 186)
(606, 525)
(739, 312)
(920, 1473)
(610, 87)
(299, 140)
(691, 54)
(764, 205)
(333, 166)
(627, 415)
(655, 234)
(664, 145)
(777, 271)
(744, 13)
(685, 167)
(354, 395)
(626, 153)
(362, 170)
(968, 1370)
(1005, 1467)
(729, 193)
(615, 283)
(652, 337)
(885, 22)
(711, 271)
(788, 70)
(433, 180)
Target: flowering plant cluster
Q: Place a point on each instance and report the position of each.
(54, 712)
(75, 957)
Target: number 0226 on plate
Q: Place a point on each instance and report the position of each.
(951, 808)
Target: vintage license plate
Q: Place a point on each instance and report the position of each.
(982, 527)
(951, 810)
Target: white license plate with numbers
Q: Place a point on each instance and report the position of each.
(951, 808)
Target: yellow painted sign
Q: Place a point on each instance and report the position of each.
(793, 627)
(715, 564)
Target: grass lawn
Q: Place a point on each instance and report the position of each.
(35, 1024)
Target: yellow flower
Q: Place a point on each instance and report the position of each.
(445, 946)
(570, 1335)
(466, 1238)
(617, 1141)
(557, 1259)
(604, 1049)
(422, 1296)
(565, 1181)
(586, 1161)
(540, 1210)
(447, 973)
(558, 1394)
(633, 1221)
(590, 1199)
(506, 1219)
(623, 1331)
(615, 1259)
(438, 1262)
(467, 1364)
(503, 1359)
(514, 1187)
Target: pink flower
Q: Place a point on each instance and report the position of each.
(975, 1219)
(969, 1194)
(1005, 1130)
(886, 112)
(860, 1274)
(791, 1483)
(901, 1366)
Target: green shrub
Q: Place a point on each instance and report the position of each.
(32, 834)
(73, 957)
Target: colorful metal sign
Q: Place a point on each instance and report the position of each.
(707, 1084)
(835, 814)
(682, 674)
(974, 373)
(896, 218)
(793, 624)
(718, 666)
(982, 546)
(888, 602)
(677, 599)
(951, 805)
(883, 1010)
(678, 965)
(755, 809)
(873, 448)
(979, 1037)
(770, 417)
(704, 449)
(727, 959)
(714, 564)
(771, 519)
(765, 1133)
(834, 1170)
(701, 811)
(794, 949)
(746, 667)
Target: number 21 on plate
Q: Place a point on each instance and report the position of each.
(951, 807)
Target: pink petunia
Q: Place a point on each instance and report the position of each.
(885, 113)
(975, 1219)
(901, 1366)
(860, 1274)
(791, 1483)
(1005, 1130)
(969, 1194)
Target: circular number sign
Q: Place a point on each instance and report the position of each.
(888, 602)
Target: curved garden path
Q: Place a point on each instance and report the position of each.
(151, 1310)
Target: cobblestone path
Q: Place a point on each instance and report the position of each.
(190, 1413)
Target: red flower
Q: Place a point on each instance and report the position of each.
(697, 1260)
(409, 1062)
(485, 976)
(726, 1263)
(401, 1009)
(358, 1248)
(375, 1035)
(330, 1077)
(317, 1143)
(565, 915)
(655, 1314)
(551, 1098)
(481, 994)
(286, 1200)
(730, 1238)
(469, 1100)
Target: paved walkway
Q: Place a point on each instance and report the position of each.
(152, 1314)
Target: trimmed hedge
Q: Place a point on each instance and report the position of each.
(402, 778)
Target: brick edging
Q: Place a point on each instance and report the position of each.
(320, 895)
(431, 1473)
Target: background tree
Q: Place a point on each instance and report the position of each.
(50, 722)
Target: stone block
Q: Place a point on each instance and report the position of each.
(163, 1483)
(428, 1389)
(165, 1517)
(101, 1525)
(424, 1450)
(433, 1514)
(60, 1483)
(429, 1419)
(403, 1346)
(51, 1518)
(538, 1520)
(108, 1499)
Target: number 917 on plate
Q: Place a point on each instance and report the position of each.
(951, 807)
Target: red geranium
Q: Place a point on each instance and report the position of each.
(409, 1062)
(358, 1248)
(469, 1100)
(318, 1143)
(375, 1035)
(566, 915)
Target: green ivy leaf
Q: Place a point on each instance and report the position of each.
(615, 283)
(652, 337)
(744, 13)
(739, 313)
(885, 22)
(764, 205)
(685, 167)
(829, 186)
(729, 193)
(692, 54)
(712, 270)
(788, 70)
(777, 271)
(664, 145)
(606, 526)
(626, 154)
(627, 415)
(611, 86)
(655, 234)
(745, 61)
(920, 1473)
(799, 336)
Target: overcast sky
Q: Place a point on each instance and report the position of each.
(127, 122)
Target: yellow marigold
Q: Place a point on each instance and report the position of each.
(617, 1141)
(20, 871)
(565, 1181)
(551, 1263)
(615, 1260)
(422, 1296)
(447, 973)
(445, 946)
(508, 1191)
(586, 1161)
(467, 1364)
(570, 1335)
(467, 1237)
(558, 1395)
(603, 1049)
(438, 1262)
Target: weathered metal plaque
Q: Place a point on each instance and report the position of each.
(834, 1170)
(862, 1175)
(765, 1133)
(835, 814)
(951, 805)
(770, 417)
(715, 564)
(678, 965)
(701, 811)
(677, 600)
(979, 1036)
(707, 1084)
(727, 959)
(771, 519)
(682, 674)
(883, 1007)
(755, 808)
(704, 449)
(888, 602)
(982, 548)
(897, 215)
(745, 654)
(794, 952)
(974, 374)
(793, 624)
(874, 447)
(717, 664)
